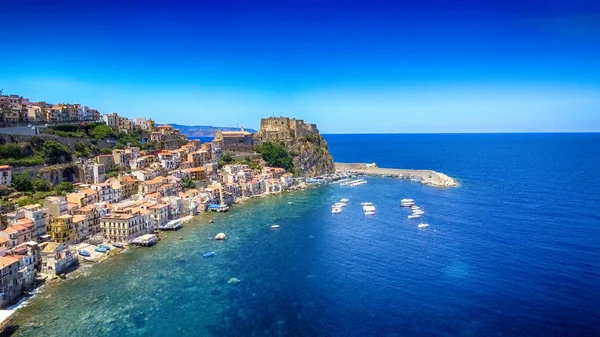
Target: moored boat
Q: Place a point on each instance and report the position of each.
(344, 200)
(209, 254)
(407, 202)
(422, 226)
(84, 253)
(414, 216)
(336, 210)
(101, 250)
(117, 245)
(275, 226)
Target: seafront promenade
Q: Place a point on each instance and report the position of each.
(426, 177)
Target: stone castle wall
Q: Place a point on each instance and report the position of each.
(281, 128)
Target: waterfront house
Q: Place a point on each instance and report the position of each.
(125, 225)
(80, 226)
(62, 229)
(10, 291)
(159, 212)
(56, 258)
(92, 218)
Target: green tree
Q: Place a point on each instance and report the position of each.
(276, 155)
(41, 184)
(64, 188)
(55, 152)
(102, 131)
(22, 182)
(187, 184)
(112, 174)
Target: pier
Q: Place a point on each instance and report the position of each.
(426, 177)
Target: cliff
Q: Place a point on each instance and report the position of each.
(310, 155)
(308, 149)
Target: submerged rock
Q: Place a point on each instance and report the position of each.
(233, 280)
(221, 236)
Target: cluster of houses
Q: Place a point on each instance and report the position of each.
(17, 109)
(147, 193)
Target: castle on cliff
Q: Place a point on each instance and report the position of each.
(282, 128)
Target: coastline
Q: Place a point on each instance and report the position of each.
(425, 177)
(79, 271)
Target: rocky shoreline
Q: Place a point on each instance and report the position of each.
(425, 177)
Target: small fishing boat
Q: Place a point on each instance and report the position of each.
(209, 254)
(414, 216)
(118, 245)
(422, 226)
(336, 210)
(275, 226)
(339, 204)
(84, 253)
(104, 247)
(101, 250)
(366, 203)
(418, 212)
(344, 200)
(415, 208)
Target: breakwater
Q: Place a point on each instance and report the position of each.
(426, 177)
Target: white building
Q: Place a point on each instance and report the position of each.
(99, 173)
(5, 175)
(107, 193)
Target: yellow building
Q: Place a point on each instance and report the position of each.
(62, 229)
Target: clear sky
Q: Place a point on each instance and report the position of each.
(349, 66)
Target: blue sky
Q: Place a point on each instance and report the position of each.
(349, 66)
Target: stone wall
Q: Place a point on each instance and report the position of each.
(282, 128)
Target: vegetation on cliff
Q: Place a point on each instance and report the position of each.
(276, 155)
(36, 152)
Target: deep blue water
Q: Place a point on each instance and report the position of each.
(514, 251)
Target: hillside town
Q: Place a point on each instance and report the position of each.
(149, 190)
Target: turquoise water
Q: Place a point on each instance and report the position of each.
(512, 252)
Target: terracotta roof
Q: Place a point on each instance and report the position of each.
(78, 218)
(3, 240)
(4, 167)
(8, 260)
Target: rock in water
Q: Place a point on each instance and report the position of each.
(233, 280)
(221, 236)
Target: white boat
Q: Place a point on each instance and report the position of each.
(340, 204)
(414, 216)
(366, 204)
(336, 210)
(422, 225)
(419, 212)
(407, 202)
(414, 208)
(369, 210)
(275, 226)
(344, 200)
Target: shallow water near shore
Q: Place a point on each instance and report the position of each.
(513, 251)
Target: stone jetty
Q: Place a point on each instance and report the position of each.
(426, 177)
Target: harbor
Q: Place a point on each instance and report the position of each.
(425, 177)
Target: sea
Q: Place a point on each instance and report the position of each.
(513, 251)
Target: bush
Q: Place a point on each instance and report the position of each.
(55, 152)
(187, 184)
(42, 185)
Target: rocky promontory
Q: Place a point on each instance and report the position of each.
(308, 149)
